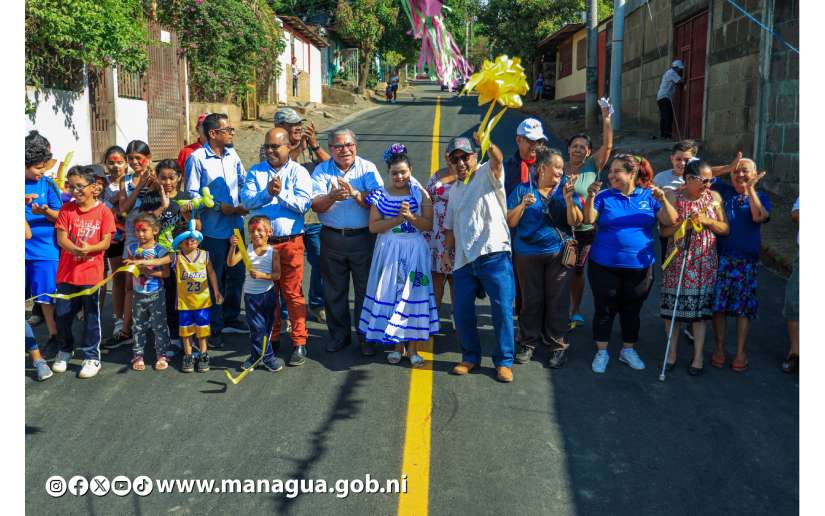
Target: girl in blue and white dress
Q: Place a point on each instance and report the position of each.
(399, 306)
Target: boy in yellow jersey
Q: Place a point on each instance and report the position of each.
(194, 276)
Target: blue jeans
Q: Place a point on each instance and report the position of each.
(65, 311)
(312, 245)
(230, 281)
(494, 273)
(260, 314)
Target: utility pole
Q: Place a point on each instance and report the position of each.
(591, 111)
(467, 21)
(616, 63)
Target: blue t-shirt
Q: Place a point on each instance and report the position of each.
(744, 239)
(147, 284)
(535, 233)
(43, 243)
(624, 235)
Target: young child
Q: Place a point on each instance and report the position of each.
(114, 159)
(192, 271)
(39, 363)
(84, 231)
(42, 205)
(259, 292)
(173, 221)
(140, 193)
(149, 297)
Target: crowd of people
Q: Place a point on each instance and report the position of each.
(185, 242)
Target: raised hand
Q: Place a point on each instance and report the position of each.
(568, 191)
(528, 200)
(594, 188)
(751, 184)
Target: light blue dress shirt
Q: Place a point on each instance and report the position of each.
(286, 210)
(346, 214)
(223, 175)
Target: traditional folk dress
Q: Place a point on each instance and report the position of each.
(399, 305)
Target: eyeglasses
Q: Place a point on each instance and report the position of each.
(465, 158)
(273, 146)
(706, 182)
(78, 188)
(341, 146)
(227, 130)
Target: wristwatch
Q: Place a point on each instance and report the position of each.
(315, 149)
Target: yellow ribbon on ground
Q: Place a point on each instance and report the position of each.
(499, 82)
(132, 269)
(679, 235)
(236, 380)
(242, 248)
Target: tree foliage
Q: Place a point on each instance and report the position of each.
(62, 35)
(226, 41)
(364, 22)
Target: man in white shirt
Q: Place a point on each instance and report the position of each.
(667, 89)
(476, 226)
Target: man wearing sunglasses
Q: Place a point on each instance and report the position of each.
(280, 189)
(341, 186)
(219, 167)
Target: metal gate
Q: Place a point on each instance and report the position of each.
(101, 114)
(164, 89)
(690, 45)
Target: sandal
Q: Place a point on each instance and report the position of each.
(416, 361)
(718, 359)
(138, 364)
(791, 364)
(740, 366)
(161, 364)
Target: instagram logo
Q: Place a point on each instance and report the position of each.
(56, 486)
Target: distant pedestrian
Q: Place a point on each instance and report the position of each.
(399, 305)
(665, 97)
(538, 88)
(736, 281)
(791, 309)
(295, 75)
(341, 186)
(622, 255)
(694, 304)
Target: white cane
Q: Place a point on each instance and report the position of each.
(688, 235)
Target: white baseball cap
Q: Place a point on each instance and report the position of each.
(531, 129)
(678, 64)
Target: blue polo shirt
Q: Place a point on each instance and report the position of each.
(223, 175)
(624, 235)
(43, 243)
(744, 239)
(346, 214)
(535, 232)
(286, 211)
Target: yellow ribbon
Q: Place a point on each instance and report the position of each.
(132, 269)
(242, 248)
(500, 82)
(236, 380)
(679, 235)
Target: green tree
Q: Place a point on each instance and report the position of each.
(365, 21)
(63, 35)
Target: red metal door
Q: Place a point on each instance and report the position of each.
(690, 45)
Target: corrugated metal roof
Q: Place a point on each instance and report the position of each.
(301, 28)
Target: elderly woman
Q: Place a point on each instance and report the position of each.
(582, 169)
(735, 291)
(622, 255)
(460, 158)
(697, 203)
(545, 215)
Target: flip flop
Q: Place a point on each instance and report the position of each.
(718, 360)
(739, 366)
(138, 364)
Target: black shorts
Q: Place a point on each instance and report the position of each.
(584, 239)
(115, 250)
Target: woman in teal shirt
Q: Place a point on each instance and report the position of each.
(545, 215)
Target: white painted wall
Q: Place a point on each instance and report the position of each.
(72, 134)
(315, 75)
(308, 60)
(131, 121)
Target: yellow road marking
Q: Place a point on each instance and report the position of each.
(416, 463)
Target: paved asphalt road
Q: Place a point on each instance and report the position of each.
(553, 442)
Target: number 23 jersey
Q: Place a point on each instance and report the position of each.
(192, 280)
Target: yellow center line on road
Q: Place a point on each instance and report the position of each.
(416, 463)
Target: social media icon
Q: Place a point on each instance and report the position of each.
(56, 486)
(78, 485)
(142, 485)
(121, 485)
(100, 485)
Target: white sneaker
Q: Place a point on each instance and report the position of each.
(90, 369)
(61, 361)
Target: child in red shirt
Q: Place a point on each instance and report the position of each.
(84, 231)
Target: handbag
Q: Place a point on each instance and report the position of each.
(569, 253)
